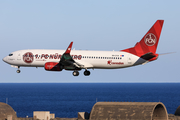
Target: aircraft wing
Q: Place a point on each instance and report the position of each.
(67, 61)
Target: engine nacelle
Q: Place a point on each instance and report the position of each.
(52, 66)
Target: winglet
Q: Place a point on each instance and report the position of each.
(68, 50)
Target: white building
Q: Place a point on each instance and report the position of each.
(43, 115)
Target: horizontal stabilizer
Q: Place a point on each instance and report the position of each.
(167, 53)
(148, 56)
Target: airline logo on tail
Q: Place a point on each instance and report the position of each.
(150, 39)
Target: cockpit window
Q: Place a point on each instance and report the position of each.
(10, 54)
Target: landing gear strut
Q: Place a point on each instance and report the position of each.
(86, 73)
(18, 71)
(75, 73)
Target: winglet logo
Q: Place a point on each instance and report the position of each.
(28, 57)
(150, 39)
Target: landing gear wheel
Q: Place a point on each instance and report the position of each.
(86, 73)
(75, 73)
(18, 71)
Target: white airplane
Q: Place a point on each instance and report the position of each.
(75, 60)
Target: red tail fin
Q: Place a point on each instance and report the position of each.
(149, 42)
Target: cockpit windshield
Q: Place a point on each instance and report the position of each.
(11, 54)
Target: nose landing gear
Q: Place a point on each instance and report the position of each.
(18, 71)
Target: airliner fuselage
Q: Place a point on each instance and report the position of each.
(75, 60)
(89, 59)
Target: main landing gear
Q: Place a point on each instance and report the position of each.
(76, 73)
(86, 73)
(18, 71)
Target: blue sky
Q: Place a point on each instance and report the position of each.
(92, 25)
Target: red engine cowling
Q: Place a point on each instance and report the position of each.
(52, 66)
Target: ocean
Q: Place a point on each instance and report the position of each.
(67, 99)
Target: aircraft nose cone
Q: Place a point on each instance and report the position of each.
(4, 59)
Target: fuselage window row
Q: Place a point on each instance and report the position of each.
(88, 57)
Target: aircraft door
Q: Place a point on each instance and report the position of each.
(19, 56)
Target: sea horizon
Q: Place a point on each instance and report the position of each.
(67, 99)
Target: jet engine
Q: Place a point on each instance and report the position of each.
(53, 66)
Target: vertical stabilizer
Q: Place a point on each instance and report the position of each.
(149, 42)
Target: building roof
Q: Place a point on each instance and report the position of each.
(6, 110)
(128, 110)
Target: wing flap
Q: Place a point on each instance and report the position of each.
(84, 65)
